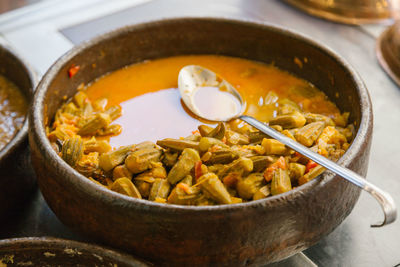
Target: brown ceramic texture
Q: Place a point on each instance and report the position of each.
(47, 251)
(388, 51)
(16, 174)
(250, 233)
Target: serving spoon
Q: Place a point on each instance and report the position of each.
(212, 98)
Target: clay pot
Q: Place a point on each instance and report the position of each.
(16, 173)
(47, 251)
(251, 233)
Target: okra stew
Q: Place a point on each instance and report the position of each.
(129, 132)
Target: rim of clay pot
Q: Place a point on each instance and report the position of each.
(110, 197)
(55, 244)
(22, 134)
(388, 52)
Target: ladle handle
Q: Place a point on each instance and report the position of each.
(384, 199)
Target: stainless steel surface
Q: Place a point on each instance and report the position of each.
(384, 199)
(193, 78)
(353, 243)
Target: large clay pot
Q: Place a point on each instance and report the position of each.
(255, 232)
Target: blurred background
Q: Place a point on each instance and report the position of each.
(7, 5)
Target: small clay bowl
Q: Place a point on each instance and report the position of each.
(16, 172)
(252, 233)
(47, 251)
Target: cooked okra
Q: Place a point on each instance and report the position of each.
(125, 186)
(225, 164)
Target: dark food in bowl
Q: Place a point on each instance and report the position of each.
(13, 107)
(228, 164)
(17, 178)
(249, 233)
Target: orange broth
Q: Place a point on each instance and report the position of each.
(151, 104)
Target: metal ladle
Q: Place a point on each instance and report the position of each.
(195, 81)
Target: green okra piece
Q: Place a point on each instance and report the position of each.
(348, 132)
(248, 186)
(240, 165)
(180, 196)
(142, 159)
(121, 171)
(193, 137)
(80, 99)
(144, 187)
(145, 180)
(260, 163)
(205, 130)
(113, 129)
(87, 109)
(187, 180)
(72, 150)
(169, 159)
(211, 185)
(280, 182)
(274, 147)
(114, 112)
(87, 168)
(207, 142)
(99, 121)
(234, 138)
(177, 144)
(307, 134)
(287, 106)
(58, 134)
(145, 144)
(100, 104)
(125, 186)
(312, 117)
(223, 155)
(288, 121)
(100, 146)
(217, 168)
(115, 157)
(296, 170)
(314, 172)
(263, 192)
(184, 165)
(159, 189)
(277, 127)
(256, 137)
(71, 108)
(218, 132)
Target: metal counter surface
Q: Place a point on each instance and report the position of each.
(353, 243)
